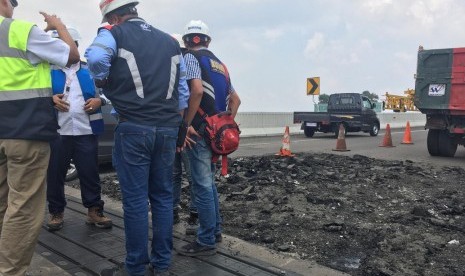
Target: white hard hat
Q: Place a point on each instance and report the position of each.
(178, 38)
(75, 35)
(196, 27)
(107, 6)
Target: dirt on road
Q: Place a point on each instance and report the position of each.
(355, 214)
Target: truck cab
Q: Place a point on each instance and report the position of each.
(354, 111)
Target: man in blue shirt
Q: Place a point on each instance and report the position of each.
(143, 86)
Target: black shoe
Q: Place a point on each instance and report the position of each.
(218, 238)
(158, 273)
(114, 271)
(195, 249)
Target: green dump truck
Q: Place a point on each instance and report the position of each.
(440, 94)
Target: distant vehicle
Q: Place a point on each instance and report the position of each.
(105, 142)
(439, 87)
(352, 110)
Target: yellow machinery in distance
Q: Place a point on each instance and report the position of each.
(400, 103)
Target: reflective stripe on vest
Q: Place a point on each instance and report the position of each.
(26, 105)
(22, 80)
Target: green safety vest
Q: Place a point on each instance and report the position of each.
(26, 105)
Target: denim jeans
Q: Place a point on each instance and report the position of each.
(180, 160)
(83, 149)
(143, 158)
(206, 195)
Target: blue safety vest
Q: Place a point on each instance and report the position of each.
(216, 84)
(144, 76)
(88, 91)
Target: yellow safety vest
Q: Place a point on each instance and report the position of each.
(26, 106)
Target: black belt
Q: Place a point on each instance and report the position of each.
(122, 119)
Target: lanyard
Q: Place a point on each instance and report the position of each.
(70, 76)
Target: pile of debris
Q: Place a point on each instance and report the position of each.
(356, 214)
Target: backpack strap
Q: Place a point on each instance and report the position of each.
(224, 165)
(224, 162)
(202, 113)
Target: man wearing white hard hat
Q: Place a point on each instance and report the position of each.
(211, 93)
(80, 119)
(27, 126)
(138, 68)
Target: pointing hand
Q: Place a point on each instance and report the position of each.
(53, 22)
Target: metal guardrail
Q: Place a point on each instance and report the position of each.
(274, 123)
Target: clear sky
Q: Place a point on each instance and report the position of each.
(272, 46)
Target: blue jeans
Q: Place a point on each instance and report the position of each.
(206, 196)
(143, 158)
(180, 160)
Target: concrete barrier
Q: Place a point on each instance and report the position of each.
(274, 123)
(399, 120)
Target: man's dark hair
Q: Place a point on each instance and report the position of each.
(129, 9)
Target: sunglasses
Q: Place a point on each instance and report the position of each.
(14, 3)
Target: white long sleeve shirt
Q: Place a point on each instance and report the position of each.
(75, 122)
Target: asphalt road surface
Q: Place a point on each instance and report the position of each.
(358, 143)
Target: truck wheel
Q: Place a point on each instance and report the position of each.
(309, 131)
(447, 144)
(432, 142)
(374, 129)
(72, 173)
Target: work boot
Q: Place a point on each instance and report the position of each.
(55, 222)
(154, 272)
(195, 249)
(192, 223)
(96, 217)
(114, 271)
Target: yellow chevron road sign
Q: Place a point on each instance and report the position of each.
(313, 86)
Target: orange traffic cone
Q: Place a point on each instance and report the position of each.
(341, 139)
(285, 150)
(407, 135)
(387, 141)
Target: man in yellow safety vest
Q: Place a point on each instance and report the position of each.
(27, 125)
